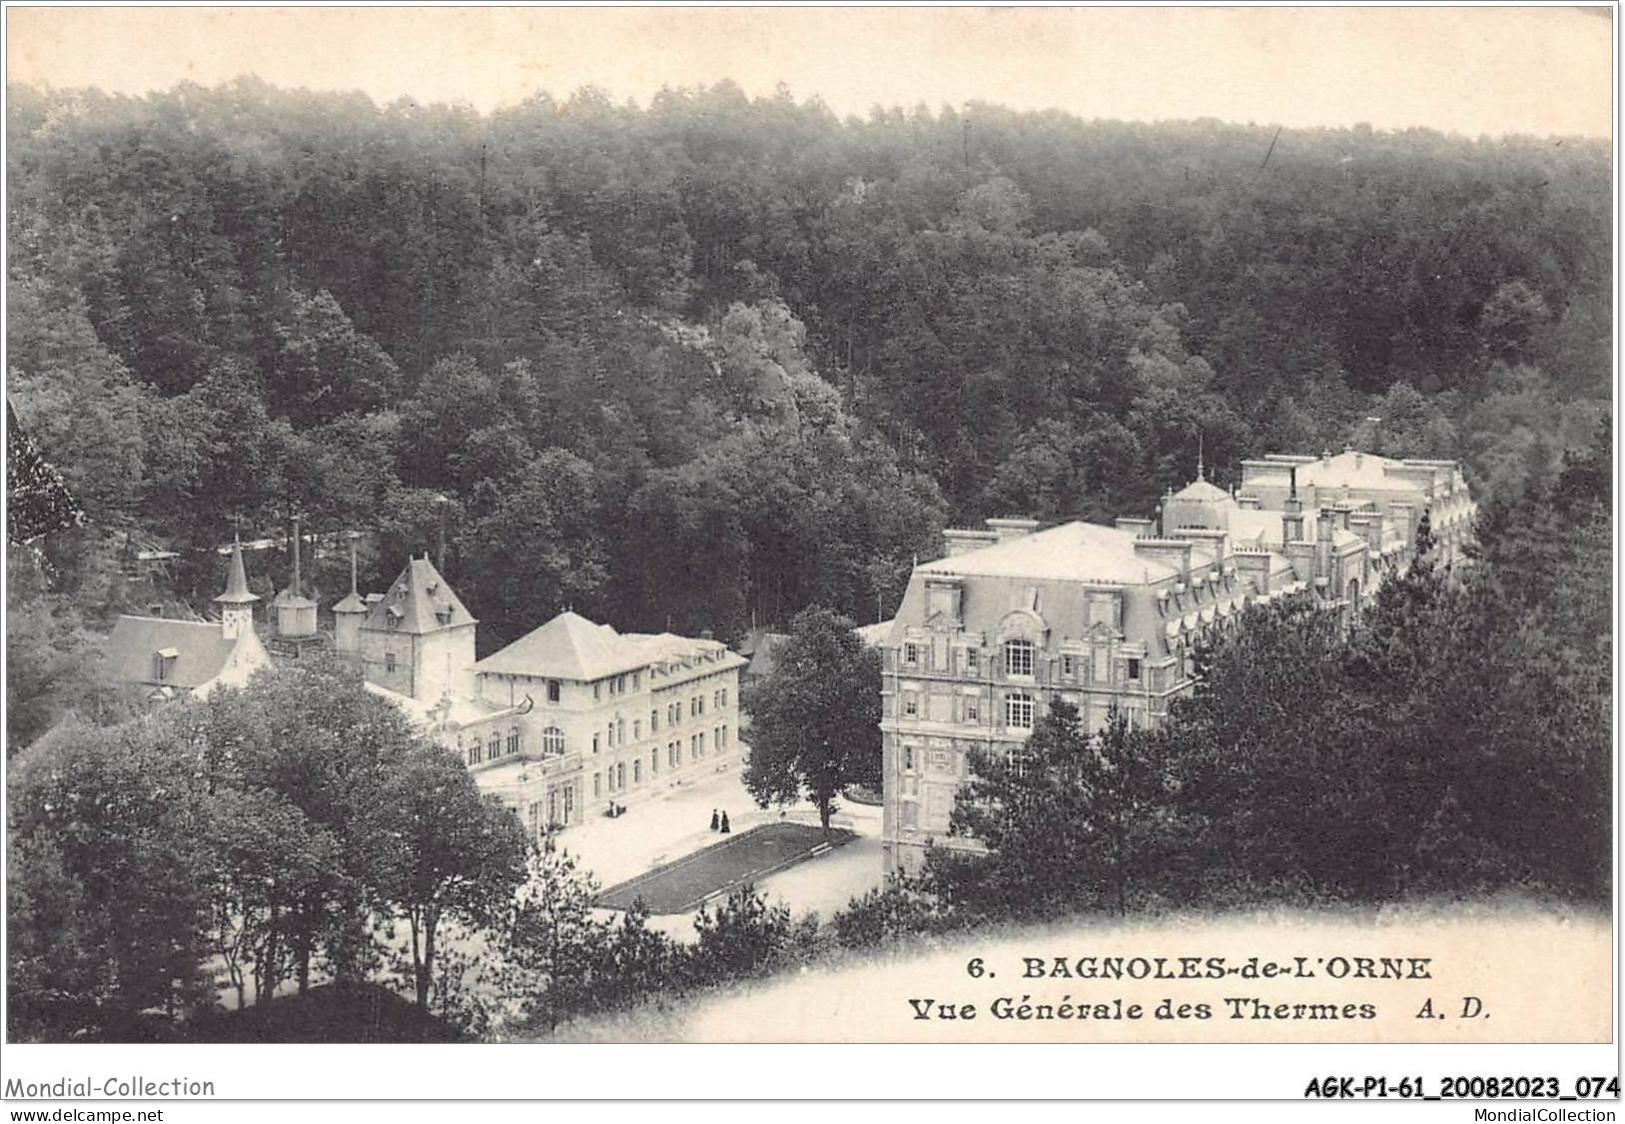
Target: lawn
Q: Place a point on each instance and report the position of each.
(680, 886)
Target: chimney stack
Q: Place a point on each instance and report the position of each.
(960, 541)
(1008, 530)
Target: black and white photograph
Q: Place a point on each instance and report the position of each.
(570, 528)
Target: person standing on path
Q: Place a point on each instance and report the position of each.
(714, 823)
(725, 828)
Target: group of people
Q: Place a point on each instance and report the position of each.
(719, 822)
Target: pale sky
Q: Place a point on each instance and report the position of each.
(1472, 70)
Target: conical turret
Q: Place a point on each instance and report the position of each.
(350, 612)
(295, 613)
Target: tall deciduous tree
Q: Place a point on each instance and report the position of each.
(815, 720)
(458, 853)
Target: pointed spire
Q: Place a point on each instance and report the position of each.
(236, 578)
(1201, 469)
(354, 592)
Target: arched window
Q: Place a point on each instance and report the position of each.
(494, 746)
(552, 741)
(513, 741)
(474, 752)
(1018, 711)
(1018, 657)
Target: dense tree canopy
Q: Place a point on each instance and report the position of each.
(773, 349)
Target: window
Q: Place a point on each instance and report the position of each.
(911, 653)
(552, 690)
(513, 741)
(1134, 671)
(595, 743)
(1018, 712)
(1018, 657)
(722, 697)
(700, 737)
(552, 741)
(597, 785)
(908, 758)
(620, 775)
(474, 752)
(494, 747)
(620, 731)
(654, 721)
(673, 755)
(654, 761)
(1068, 667)
(973, 710)
(911, 705)
(595, 689)
(701, 701)
(637, 771)
(637, 680)
(693, 749)
(637, 729)
(389, 661)
(973, 661)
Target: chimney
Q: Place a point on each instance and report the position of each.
(1171, 552)
(1140, 527)
(156, 609)
(1007, 530)
(1254, 565)
(1292, 513)
(1325, 521)
(297, 592)
(706, 634)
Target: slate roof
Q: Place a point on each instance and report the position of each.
(236, 580)
(201, 652)
(1069, 552)
(420, 601)
(760, 647)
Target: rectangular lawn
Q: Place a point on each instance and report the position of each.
(680, 886)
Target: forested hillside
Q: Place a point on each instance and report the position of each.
(682, 364)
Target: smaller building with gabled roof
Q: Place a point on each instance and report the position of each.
(172, 658)
(418, 639)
